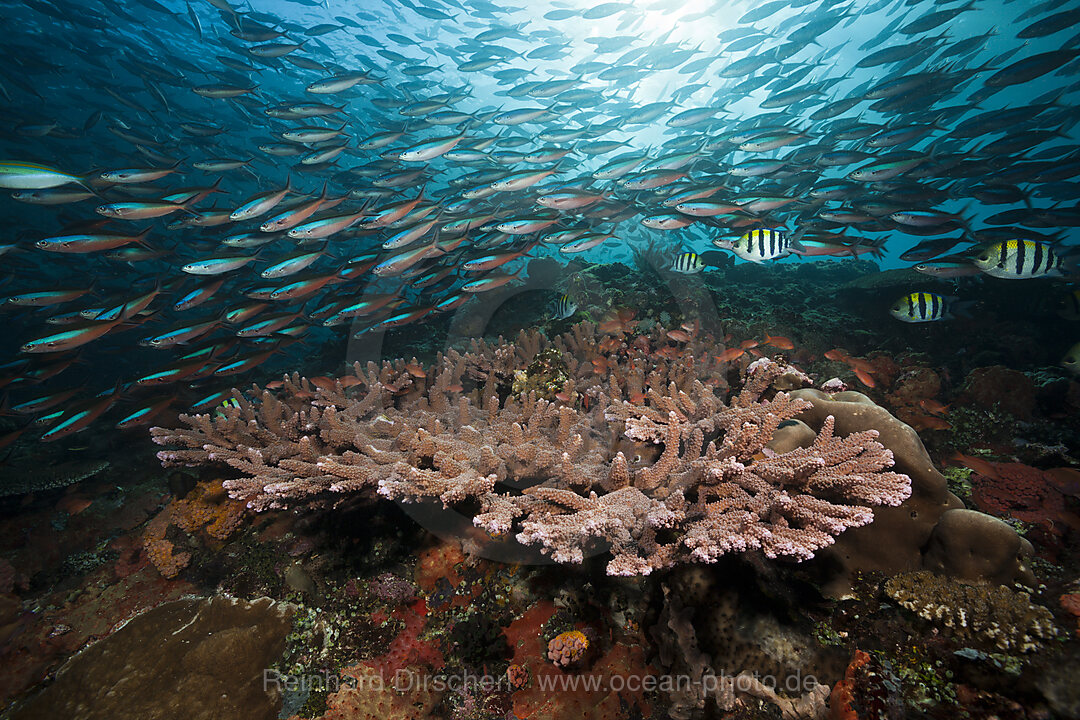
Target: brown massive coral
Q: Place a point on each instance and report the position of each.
(637, 454)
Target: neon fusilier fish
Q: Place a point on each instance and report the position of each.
(19, 175)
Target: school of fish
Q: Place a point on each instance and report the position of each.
(196, 186)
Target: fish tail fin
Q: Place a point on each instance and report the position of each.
(435, 242)
(184, 206)
(85, 181)
(960, 308)
(141, 240)
(797, 247)
(713, 258)
(1070, 265)
(246, 167)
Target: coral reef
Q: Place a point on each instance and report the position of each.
(1038, 498)
(162, 552)
(999, 387)
(899, 537)
(978, 548)
(704, 638)
(579, 479)
(196, 658)
(869, 689)
(376, 592)
(206, 507)
(546, 375)
(27, 477)
(550, 692)
(365, 695)
(1005, 619)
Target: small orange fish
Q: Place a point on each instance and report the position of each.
(600, 365)
(416, 370)
(562, 397)
(618, 322)
(864, 377)
(730, 354)
(983, 467)
(756, 353)
(275, 385)
(860, 364)
(745, 344)
(930, 422)
(348, 381)
(679, 335)
(323, 383)
(669, 353)
(933, 406)
(637, 398)
(609, 326)
(779, 342)
(455, 388)
(1067, 480)
(836, 354)
(73, 504)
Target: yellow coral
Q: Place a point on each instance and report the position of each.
(208, 506)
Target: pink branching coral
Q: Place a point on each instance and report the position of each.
(637, 454)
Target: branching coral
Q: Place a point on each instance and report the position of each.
(637, 454)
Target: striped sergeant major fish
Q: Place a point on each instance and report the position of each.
(564, 308)
(1020, 260)
(763, 244)
(920, 307)
(687, 263)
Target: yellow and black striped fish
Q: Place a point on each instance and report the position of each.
(687, 263)
(564, 308)
(761, 244)
(920, 307)
(1020, 260)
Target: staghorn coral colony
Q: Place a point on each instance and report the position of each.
(555, 472)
